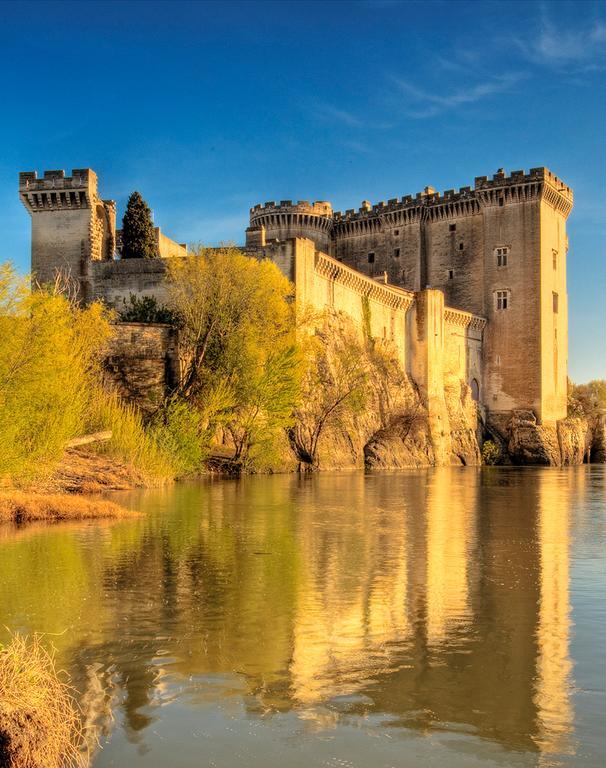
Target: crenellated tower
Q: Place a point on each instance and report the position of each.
(286, 220)
(71, 225)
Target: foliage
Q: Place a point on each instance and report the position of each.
(145, 309)
(50, 353)
(180, 432)
(138, 236)
(588, 400)
(335, 382)
(491, 453)
(40, 724)
(237, 346)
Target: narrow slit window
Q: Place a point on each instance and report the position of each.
(451, 274)
(396, 253)
(555, 302)
(371, 257)
(461, 246)
(555, 259)
(396, 232)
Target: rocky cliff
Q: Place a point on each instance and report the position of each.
(574, 440)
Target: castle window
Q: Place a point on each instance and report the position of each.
(501, 202)
(461, 246)
(396, 253)
(502, 299)
(371, 257)
(555, 259)
(452, 227)
(396, 232)
(501, 254)
(451, 274)
(555, 302)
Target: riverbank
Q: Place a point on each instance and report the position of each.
(18, 506)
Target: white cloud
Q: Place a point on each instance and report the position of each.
(431, 103)
(577, 47)
(326, 111)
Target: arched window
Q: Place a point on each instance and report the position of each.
(475, 390)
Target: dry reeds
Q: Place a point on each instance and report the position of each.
(40, 725)
(21, 507)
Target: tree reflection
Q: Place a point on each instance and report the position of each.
(439, 599)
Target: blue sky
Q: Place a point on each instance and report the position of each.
(209, 108)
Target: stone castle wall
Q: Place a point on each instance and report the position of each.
(426, 273)
(142, 362)
(452, 242)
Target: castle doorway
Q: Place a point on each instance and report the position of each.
(475, 390)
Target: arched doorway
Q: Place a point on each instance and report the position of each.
(475, 390)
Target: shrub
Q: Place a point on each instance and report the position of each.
(146, 310)
(50, 353)
(491, 453)
(40, 724)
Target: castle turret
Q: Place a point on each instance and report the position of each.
(284, 220)
(71, 225)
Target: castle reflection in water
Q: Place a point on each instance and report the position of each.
(434, 600)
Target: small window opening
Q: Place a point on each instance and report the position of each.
(396, 253)
(502, 254)
(555, 259)
(501, 202)
(451, 274)
(396, 232)
(502, 299)
(555, 302)
(461, 246)
(452, 227)
(371, 257)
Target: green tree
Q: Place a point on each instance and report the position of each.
(336, 382)
(138, 236)
(237, 346)
(145, 309)
(50, 353)
(587, 399)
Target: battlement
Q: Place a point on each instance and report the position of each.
(501, 179)
(318, 208)
(430, 196)
(80, 178)
(56, 191)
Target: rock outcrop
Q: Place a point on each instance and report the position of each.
(563, 443)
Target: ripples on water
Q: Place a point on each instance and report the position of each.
(449, 617)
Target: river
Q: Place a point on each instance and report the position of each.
(448, 617)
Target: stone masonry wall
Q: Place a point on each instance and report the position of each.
(142, 362)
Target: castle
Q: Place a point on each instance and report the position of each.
(469, 285)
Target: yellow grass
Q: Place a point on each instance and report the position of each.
(40, 724)
(21, 507)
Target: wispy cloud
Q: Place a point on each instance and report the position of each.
(574, 47)
(328, 112)
(423, 103)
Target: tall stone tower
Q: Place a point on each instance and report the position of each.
(71, 226)
(284, 220)
(525, 297)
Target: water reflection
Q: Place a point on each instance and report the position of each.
(437, 600)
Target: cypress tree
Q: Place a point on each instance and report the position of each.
(138, 237)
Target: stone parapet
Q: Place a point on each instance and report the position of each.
(389, 295)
